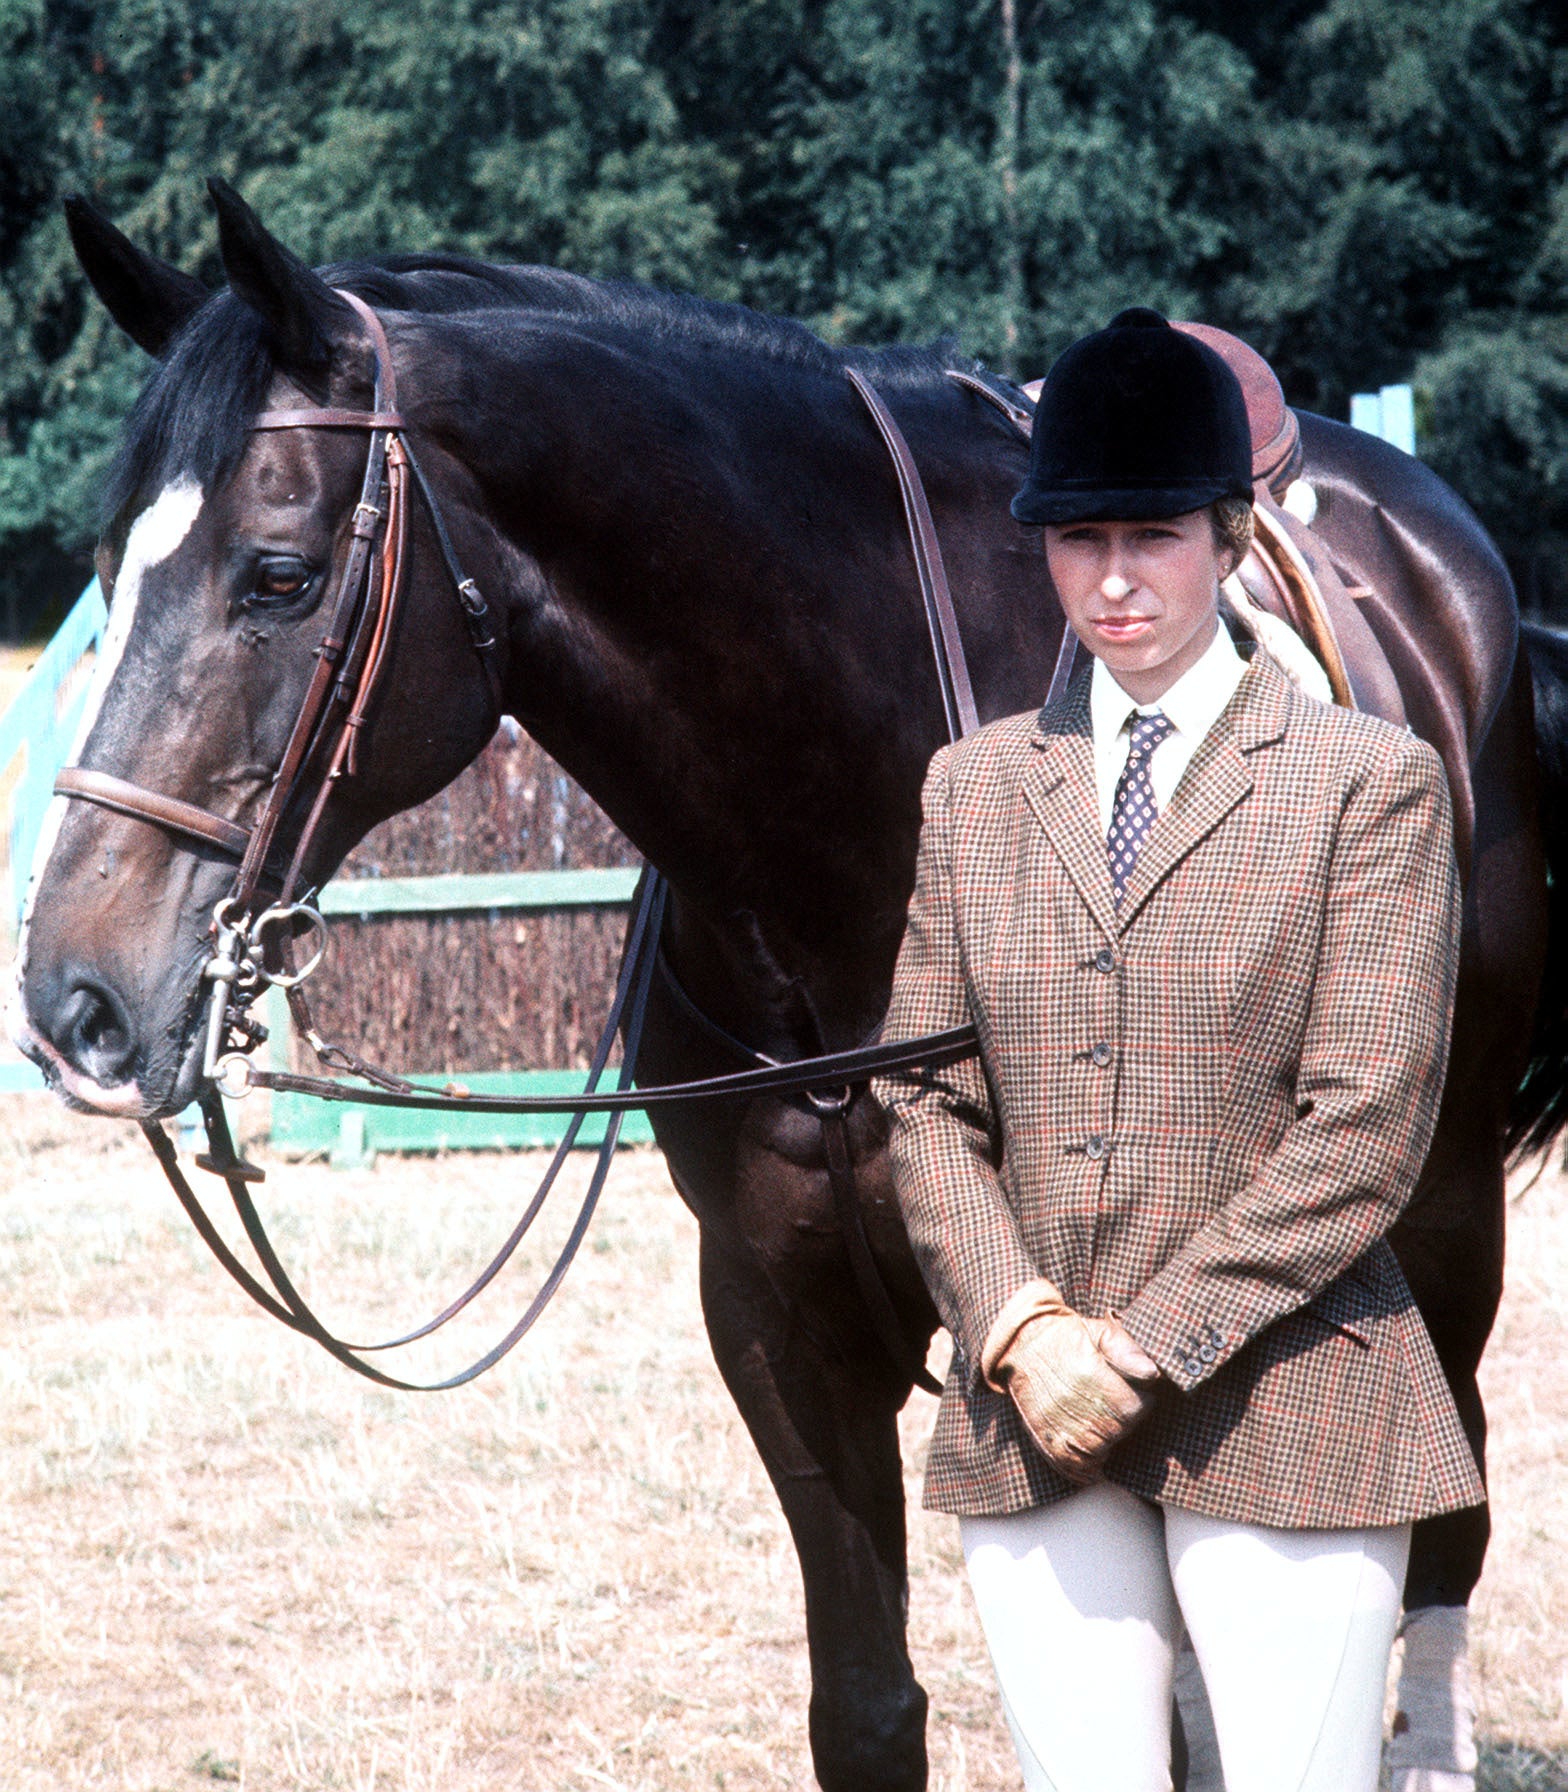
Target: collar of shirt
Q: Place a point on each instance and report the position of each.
(1192, 705)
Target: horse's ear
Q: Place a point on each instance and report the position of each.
(303, 315)
(146, 297)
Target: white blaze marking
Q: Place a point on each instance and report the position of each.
(153, 537)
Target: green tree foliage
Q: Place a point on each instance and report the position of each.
(1368, 190)
(512, 129)
(1434, 246)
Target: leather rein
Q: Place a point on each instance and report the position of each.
(256, 923)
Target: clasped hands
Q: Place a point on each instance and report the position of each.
(1079, 1384)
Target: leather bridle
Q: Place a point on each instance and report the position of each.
(252, 944)
(350, 658)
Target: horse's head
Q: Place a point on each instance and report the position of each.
(223, 561)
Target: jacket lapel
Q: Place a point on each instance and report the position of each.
(1217, 779)
(1058, 786)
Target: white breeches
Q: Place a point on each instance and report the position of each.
(1083, 1603)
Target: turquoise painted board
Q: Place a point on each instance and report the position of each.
(1389, 413)
(300, 1124)
(40, 723)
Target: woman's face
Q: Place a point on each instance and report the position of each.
(1142, 596)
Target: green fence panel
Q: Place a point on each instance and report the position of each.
(40, 723)
(459, 892)
(349, 1132)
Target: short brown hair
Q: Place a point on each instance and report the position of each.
(1231, 520)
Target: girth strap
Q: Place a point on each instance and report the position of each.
(833, 1113)
(961, 717)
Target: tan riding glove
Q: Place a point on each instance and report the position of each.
(1080, 1385)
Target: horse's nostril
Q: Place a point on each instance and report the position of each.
(94, 1031)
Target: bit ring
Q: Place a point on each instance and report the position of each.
(283, 915)
(232, 1076)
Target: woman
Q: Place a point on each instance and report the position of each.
(1207, 927)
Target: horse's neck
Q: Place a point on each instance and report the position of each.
(729, 689)
(714, 629)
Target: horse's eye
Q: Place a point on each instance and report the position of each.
(278, 578)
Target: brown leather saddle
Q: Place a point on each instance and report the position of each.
(1290, 572)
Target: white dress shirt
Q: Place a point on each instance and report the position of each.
(1192, 706)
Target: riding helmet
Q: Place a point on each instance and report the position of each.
(1137, 420)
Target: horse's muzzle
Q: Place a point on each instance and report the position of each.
(81, 1032)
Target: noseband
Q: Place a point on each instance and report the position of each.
(350, 658)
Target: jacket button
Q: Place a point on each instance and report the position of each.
(1105, 960)
(1193, 1366)
(1101, 1054)
(1207, 1353)
(1094, 1145)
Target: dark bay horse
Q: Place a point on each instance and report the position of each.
(694, 542)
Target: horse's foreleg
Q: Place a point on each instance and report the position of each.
(828, 1436)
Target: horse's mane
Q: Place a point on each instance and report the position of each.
(192, 418)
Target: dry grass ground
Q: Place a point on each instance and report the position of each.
(222, 1559)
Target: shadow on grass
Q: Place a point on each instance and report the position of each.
(1507, 1767)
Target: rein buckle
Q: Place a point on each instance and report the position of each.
(237, 1168)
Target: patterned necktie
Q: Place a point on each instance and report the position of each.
(1133, 811)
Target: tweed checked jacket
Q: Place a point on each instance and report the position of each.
(1202, 1111)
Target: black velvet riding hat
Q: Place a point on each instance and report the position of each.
(1137, 420)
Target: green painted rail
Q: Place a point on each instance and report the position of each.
(350, 1134)
(459, 893)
